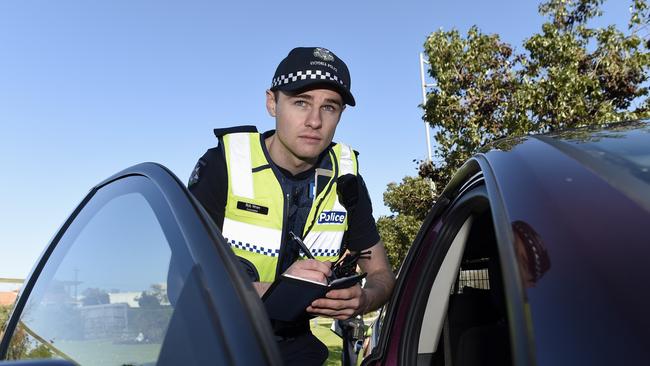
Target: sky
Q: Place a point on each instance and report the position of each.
(88, 88)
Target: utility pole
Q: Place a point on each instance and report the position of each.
(424, 86)
(427, 129)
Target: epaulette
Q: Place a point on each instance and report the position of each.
(224, 131)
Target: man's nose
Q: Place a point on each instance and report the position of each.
(314, 119)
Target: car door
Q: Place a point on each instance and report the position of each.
(452, 304)
(139, 274)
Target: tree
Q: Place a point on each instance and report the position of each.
(411, 200)
(5, 311)
(152, 317)
(569, 75)
(22, 345)
(95, 296)
(154, 297)
(148, 300)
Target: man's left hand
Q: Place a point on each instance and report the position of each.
(349, 302)
(341, 304)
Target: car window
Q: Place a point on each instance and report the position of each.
(450, 306)
(465, 321)
(108, 290)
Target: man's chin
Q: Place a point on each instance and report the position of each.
(311, 153)
(310, 159)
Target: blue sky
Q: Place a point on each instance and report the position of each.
(88, 88)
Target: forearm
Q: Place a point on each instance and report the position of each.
(380, 281)
(378, 288)
(261, 287)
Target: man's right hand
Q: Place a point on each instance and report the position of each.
(311, 269)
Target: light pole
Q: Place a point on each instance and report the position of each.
(424, 86)
(427, 129)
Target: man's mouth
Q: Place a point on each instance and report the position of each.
(310, 138)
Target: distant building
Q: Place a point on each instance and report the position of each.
(7, 298)
(129, 298)
(104, 321)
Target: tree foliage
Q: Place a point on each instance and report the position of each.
(569, 74)
(148, 300)
(153, 298)
(5, 311)
(411, 199)
(95, 296)
(22, 346)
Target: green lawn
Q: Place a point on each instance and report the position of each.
(101, 352)
(135, 352)
(331, 340)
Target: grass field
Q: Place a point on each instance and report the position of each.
(331, 340)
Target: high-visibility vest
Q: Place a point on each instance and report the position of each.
(257, 208)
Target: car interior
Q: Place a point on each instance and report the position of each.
(465, 321)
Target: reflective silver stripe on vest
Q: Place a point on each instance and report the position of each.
(324, 243)
(253, 238)
(347, 165)
(241, 169)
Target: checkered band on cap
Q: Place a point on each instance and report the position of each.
(304, 75)
(254, 248)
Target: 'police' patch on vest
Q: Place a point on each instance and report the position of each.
(251, 207)
(331, 217)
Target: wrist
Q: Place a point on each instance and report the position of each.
(261, 287)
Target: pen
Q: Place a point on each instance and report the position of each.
(303, 247)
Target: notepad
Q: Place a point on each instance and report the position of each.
(289, 296)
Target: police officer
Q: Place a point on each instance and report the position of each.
(260, 188)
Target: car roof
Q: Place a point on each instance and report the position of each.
(585, 195)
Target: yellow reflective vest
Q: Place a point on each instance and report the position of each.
(256, 207)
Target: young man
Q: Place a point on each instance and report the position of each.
(262, 188)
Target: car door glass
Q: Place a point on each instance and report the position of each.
(103, 296)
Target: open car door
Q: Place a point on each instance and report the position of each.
(451, 305)
(139, 274)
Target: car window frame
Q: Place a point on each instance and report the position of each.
(475, 171)
(465, 204)
(458, 184)
(519, 323)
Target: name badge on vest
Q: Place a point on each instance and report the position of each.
(251, 207)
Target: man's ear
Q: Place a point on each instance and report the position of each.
(270, 103)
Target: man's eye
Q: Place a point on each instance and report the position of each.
(300, 103)
(329, 108)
